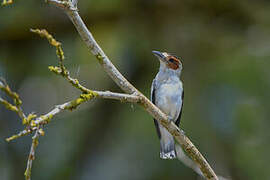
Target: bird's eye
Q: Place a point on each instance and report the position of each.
(171, 60)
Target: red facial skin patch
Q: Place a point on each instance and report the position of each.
(173, 62)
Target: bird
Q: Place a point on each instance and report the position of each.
(167, 94)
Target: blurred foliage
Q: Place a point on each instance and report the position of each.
(225, 49)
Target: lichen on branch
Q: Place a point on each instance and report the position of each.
(34, 123)
(16, 107)
(56, 44)
(6, 2)
(39, 132)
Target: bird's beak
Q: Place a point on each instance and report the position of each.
(160, 55)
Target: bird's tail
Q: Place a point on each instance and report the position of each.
(167, 145)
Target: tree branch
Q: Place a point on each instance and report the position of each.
(31, 121)
(189, 163)
(33, 124)
(120, 80)
(16, 99)
(73, 104)
(45, 119)
(31, 155)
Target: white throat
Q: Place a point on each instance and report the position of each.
(166, 72)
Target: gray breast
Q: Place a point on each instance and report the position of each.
(168, 98)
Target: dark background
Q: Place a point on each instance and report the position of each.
(225, 49)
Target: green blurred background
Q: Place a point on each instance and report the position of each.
(225, 49)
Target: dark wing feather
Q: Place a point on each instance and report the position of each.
(153, 101)
(177, 122)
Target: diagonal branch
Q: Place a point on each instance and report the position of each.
(126, 86)
(189, 163)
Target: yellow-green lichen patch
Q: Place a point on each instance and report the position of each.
(46, 119)
(88, 96)
(100, 58)
(8, 105)
(29, 118)
(6, 2)
(73, 104)
(60, 52)
(44, 33)
(5, 88)
(41, 132)
(55, 69)
(12, 138)
(83, 97)
(27, 174)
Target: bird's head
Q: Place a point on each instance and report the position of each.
(170, 61)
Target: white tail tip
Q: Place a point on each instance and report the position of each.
(169, 155)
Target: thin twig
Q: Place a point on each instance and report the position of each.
(45, 119)
(60, 4)
(21, 134)
(13, 95)
(31, 155)
(72, 104)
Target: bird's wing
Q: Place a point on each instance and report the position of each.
(153, 87)
(177, 122)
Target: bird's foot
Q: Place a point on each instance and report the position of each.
(183, 132)
(170, 118)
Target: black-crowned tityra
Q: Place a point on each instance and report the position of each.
(167, 94)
